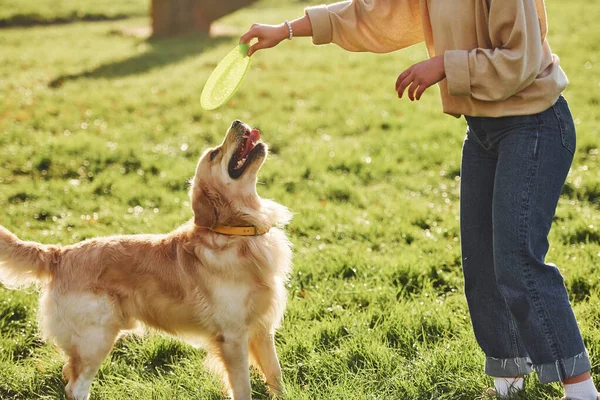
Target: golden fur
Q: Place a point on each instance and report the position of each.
(226, 291)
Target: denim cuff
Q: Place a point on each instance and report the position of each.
(556, 371)
(563, 369)
(508, 367)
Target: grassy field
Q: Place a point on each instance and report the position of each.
(99, 133)
(24, 13)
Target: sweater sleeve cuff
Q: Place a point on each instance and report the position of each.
(321, 26)
(456, 64)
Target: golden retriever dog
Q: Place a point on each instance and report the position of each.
(219, 279)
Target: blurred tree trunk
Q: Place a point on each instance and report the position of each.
(174, 17)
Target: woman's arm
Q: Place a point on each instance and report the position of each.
(379, 26)
(271, 35)
(513, 61)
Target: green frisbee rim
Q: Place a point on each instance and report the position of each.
(207, 100)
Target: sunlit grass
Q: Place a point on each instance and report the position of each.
(99, 133)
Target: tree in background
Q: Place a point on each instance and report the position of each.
(174, 17)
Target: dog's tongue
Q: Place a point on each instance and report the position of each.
(253, 137)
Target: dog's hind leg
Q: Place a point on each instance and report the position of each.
(83, 361)
(85, 326)
(262, 350)
(233, 352)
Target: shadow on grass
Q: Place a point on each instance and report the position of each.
(161, 52)
(34, 19)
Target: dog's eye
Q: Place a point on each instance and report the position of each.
(214, 154)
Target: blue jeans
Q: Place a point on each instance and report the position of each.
(512, 173)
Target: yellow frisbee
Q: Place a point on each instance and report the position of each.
(226, 78)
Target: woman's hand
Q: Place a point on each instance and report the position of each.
(421, 76)
(268, 36)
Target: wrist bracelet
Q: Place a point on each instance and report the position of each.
(289, 28)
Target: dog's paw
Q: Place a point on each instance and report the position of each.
(276, 389)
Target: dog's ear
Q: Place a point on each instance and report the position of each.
(205, 204)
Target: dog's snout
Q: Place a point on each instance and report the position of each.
(236, 123)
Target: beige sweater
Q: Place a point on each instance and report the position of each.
(497, 59)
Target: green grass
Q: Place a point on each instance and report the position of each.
(100, 132)
(28, 12)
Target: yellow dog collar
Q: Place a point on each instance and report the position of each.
(237, 230)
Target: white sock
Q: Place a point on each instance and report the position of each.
(507, 386)
(581, 391)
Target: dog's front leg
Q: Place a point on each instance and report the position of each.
(262, 349)
(234, 353)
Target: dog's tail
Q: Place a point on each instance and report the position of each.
(23, 263)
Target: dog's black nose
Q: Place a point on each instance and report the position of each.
(236, 123)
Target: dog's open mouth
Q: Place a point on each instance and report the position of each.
(249, 148)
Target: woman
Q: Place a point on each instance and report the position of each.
(494, 66)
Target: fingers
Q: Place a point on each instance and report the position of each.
(419, 77)
(250, 34)
(420, 91)
(254, 32)
(404, 83)
(414, 87)
(401, 77)
(411, 90)
(414, 81)
(261, 44)
(267, 36)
